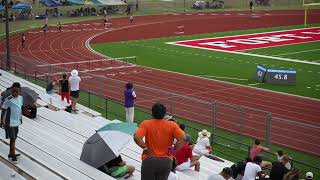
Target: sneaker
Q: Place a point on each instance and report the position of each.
(10, 156)
(14, 160)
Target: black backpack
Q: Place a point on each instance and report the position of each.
(68, 109)
(238, 168)
(30, 111)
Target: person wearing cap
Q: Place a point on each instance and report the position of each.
(129, 98)
(279, 169)
(203, 146)
(225, 174)
(74, 81)
(155, 137)
(50, 86)
(309, 176)
(185, 158)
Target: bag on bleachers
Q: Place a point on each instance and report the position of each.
(238, 168)
(30, 111)
(68, 109)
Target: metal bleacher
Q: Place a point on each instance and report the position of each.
(51, 144)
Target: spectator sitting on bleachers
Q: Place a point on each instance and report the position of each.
(278, 169)
(157, 147)
(238, 169)
(280, 156)
(117, 168)
(185, 158)
(203, 147)
(225, 174)
(256, 150)
(253, 169)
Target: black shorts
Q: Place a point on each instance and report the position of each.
(74, 94)
(12, 133)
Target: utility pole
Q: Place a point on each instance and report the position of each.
(8, 66)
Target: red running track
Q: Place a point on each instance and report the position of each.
(69, 46)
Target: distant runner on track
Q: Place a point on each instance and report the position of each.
(23, 40)
(59, 26)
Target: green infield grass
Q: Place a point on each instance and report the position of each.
(225, 66)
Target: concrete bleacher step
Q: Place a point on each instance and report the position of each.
(31, 166)
(8, 173)
(69, 123)
(70, 145)
(77, 169)
(60, 129)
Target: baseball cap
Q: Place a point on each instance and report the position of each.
(309, 175)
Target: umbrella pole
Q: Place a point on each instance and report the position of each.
(8, 67)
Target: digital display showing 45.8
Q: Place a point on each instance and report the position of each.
(273, 76)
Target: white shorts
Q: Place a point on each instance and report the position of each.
(184, 166)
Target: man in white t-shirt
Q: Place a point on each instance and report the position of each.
(253, 169)
(74, 81)
(225, 174)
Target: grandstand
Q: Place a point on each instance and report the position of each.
(57, 155)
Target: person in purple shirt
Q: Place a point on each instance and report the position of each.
(129, 97)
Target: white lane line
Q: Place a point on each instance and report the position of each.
(297, 52)
(222, 77)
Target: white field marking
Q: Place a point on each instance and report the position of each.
(253, 55)
(308, 87)
(180, 27)
(87, 45)
(222, 77)
(297, 52)
(253, 84)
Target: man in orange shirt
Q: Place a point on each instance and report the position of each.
(157, 147)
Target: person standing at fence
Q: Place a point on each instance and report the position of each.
(50, 86)
(11, 119)
(256, 150)
(129, 98)
(74, 81)
(155, 137)
(64, 88)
